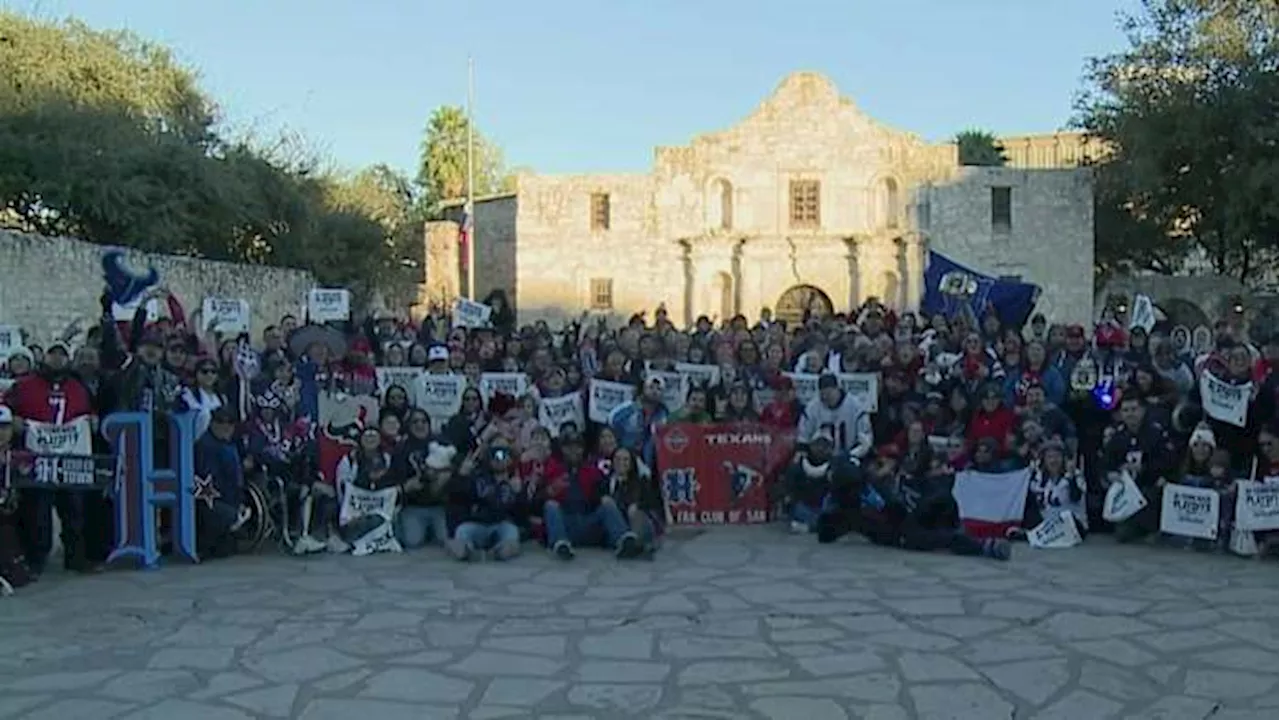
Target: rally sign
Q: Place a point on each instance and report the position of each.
(10, 340)
(862, 385)
(1056, 531)
(1143, 314)
(326, 304)
(440, 394)
(674, 388)
(358, 503)
(514, 384)
(1256, 505)
(228, 316)
(806, 385)
(1225, 402)
(1123, 499)
(71, 438)
(555, 413)
(405, 377)
(1189, 511)
(471, 314)
(605, 397)
(720, 474)
(699, 375)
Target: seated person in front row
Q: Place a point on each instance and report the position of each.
(808, 482)
(577, 509)
(493, 506)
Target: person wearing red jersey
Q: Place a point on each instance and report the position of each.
(52, 395)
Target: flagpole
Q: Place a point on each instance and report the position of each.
(471, 182)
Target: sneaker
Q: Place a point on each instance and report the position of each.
(337, 545)
(306, 545)
(1015, 533)
(460, 550)
(799, 528)
(563, 550)
(997, 549)
(506, 551)
(628, 546)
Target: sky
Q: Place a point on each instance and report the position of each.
(568, 86)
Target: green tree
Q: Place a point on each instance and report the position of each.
(978, 147)
(442, 171)
(103, 136)
(1189, 109)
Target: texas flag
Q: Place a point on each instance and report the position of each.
(464, 231)
(991, 503)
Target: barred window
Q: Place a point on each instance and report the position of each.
(805, 204)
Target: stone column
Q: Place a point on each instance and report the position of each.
(913, 269)
(851, 257)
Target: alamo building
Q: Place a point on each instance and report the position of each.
(807, 202)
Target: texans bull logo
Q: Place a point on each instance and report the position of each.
(742, 479)
(681, 487)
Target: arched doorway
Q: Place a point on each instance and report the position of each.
(795, 301)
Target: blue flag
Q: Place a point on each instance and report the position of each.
(950, 287)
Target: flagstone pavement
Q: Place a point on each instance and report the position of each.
(730, 623)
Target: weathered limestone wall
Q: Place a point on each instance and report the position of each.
(47, 283)
(1049, 241)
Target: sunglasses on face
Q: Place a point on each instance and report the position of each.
(207, 371)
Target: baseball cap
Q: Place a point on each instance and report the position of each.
(6, 415)
(438, 353)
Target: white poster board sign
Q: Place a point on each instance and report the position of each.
(554, 413)
(73, 438)
(228, 316)
(514, 384)
(1189, 511)
(471, 314)
(1223, 401)
(605, 397)
(675, 388)
(358, 502)
(327, 304)
(440, 395)
(1056, 531)
(699, 375)
(1256, 505)
(405, 377)
(865, 386)
(806, 385)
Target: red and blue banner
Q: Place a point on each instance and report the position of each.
(720, 474)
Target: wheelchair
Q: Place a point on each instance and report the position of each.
(271, 497)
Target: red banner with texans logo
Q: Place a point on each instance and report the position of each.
(720, 474)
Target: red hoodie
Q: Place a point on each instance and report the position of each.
(997, 425)
(781, 415)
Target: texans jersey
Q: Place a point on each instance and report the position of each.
(41, 399)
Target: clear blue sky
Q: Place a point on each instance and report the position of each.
(593, 85)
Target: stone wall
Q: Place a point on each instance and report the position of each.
(47, 283)
(1049, 241)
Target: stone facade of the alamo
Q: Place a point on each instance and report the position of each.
(806, 201)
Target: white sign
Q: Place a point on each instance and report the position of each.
(1056, 531)
(1143, 314)
(806, 385)
(553, 413)
(1223, 401)
(513, 384)
(10, 340)
(72, 438)
(700, 375)
(1123, 499)
(675, 388)
(405, 377)
(605, 396)
(440, 395)
(471, 314)
(325, 304)
(229, 316)
(358, 503)
(1256, 505)
(1189, 511)
(862, 385)
(125, 313)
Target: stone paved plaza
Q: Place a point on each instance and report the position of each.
(732, 623)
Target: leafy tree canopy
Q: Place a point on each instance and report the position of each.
(442, 173)
(1189, 109)
(105, 137)
(979, 147)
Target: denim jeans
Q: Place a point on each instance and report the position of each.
(584, 528)
(485, 537)
(417, 526)
(807, 514)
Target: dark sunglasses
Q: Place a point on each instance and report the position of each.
(207, 371)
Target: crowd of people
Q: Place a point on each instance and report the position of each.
(1082, 407)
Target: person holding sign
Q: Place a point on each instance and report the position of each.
(1055, 485)
(1142, 446)
(424, 468)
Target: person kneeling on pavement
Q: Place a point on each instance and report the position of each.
(494, 506)
(808, 482)
(219, 485)
(577, 510)
(915, 513)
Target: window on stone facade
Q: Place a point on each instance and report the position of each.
(1001, 209)
(892, 203)
(600, 211)
(601, 293)
(806, 204)
(720, 205)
